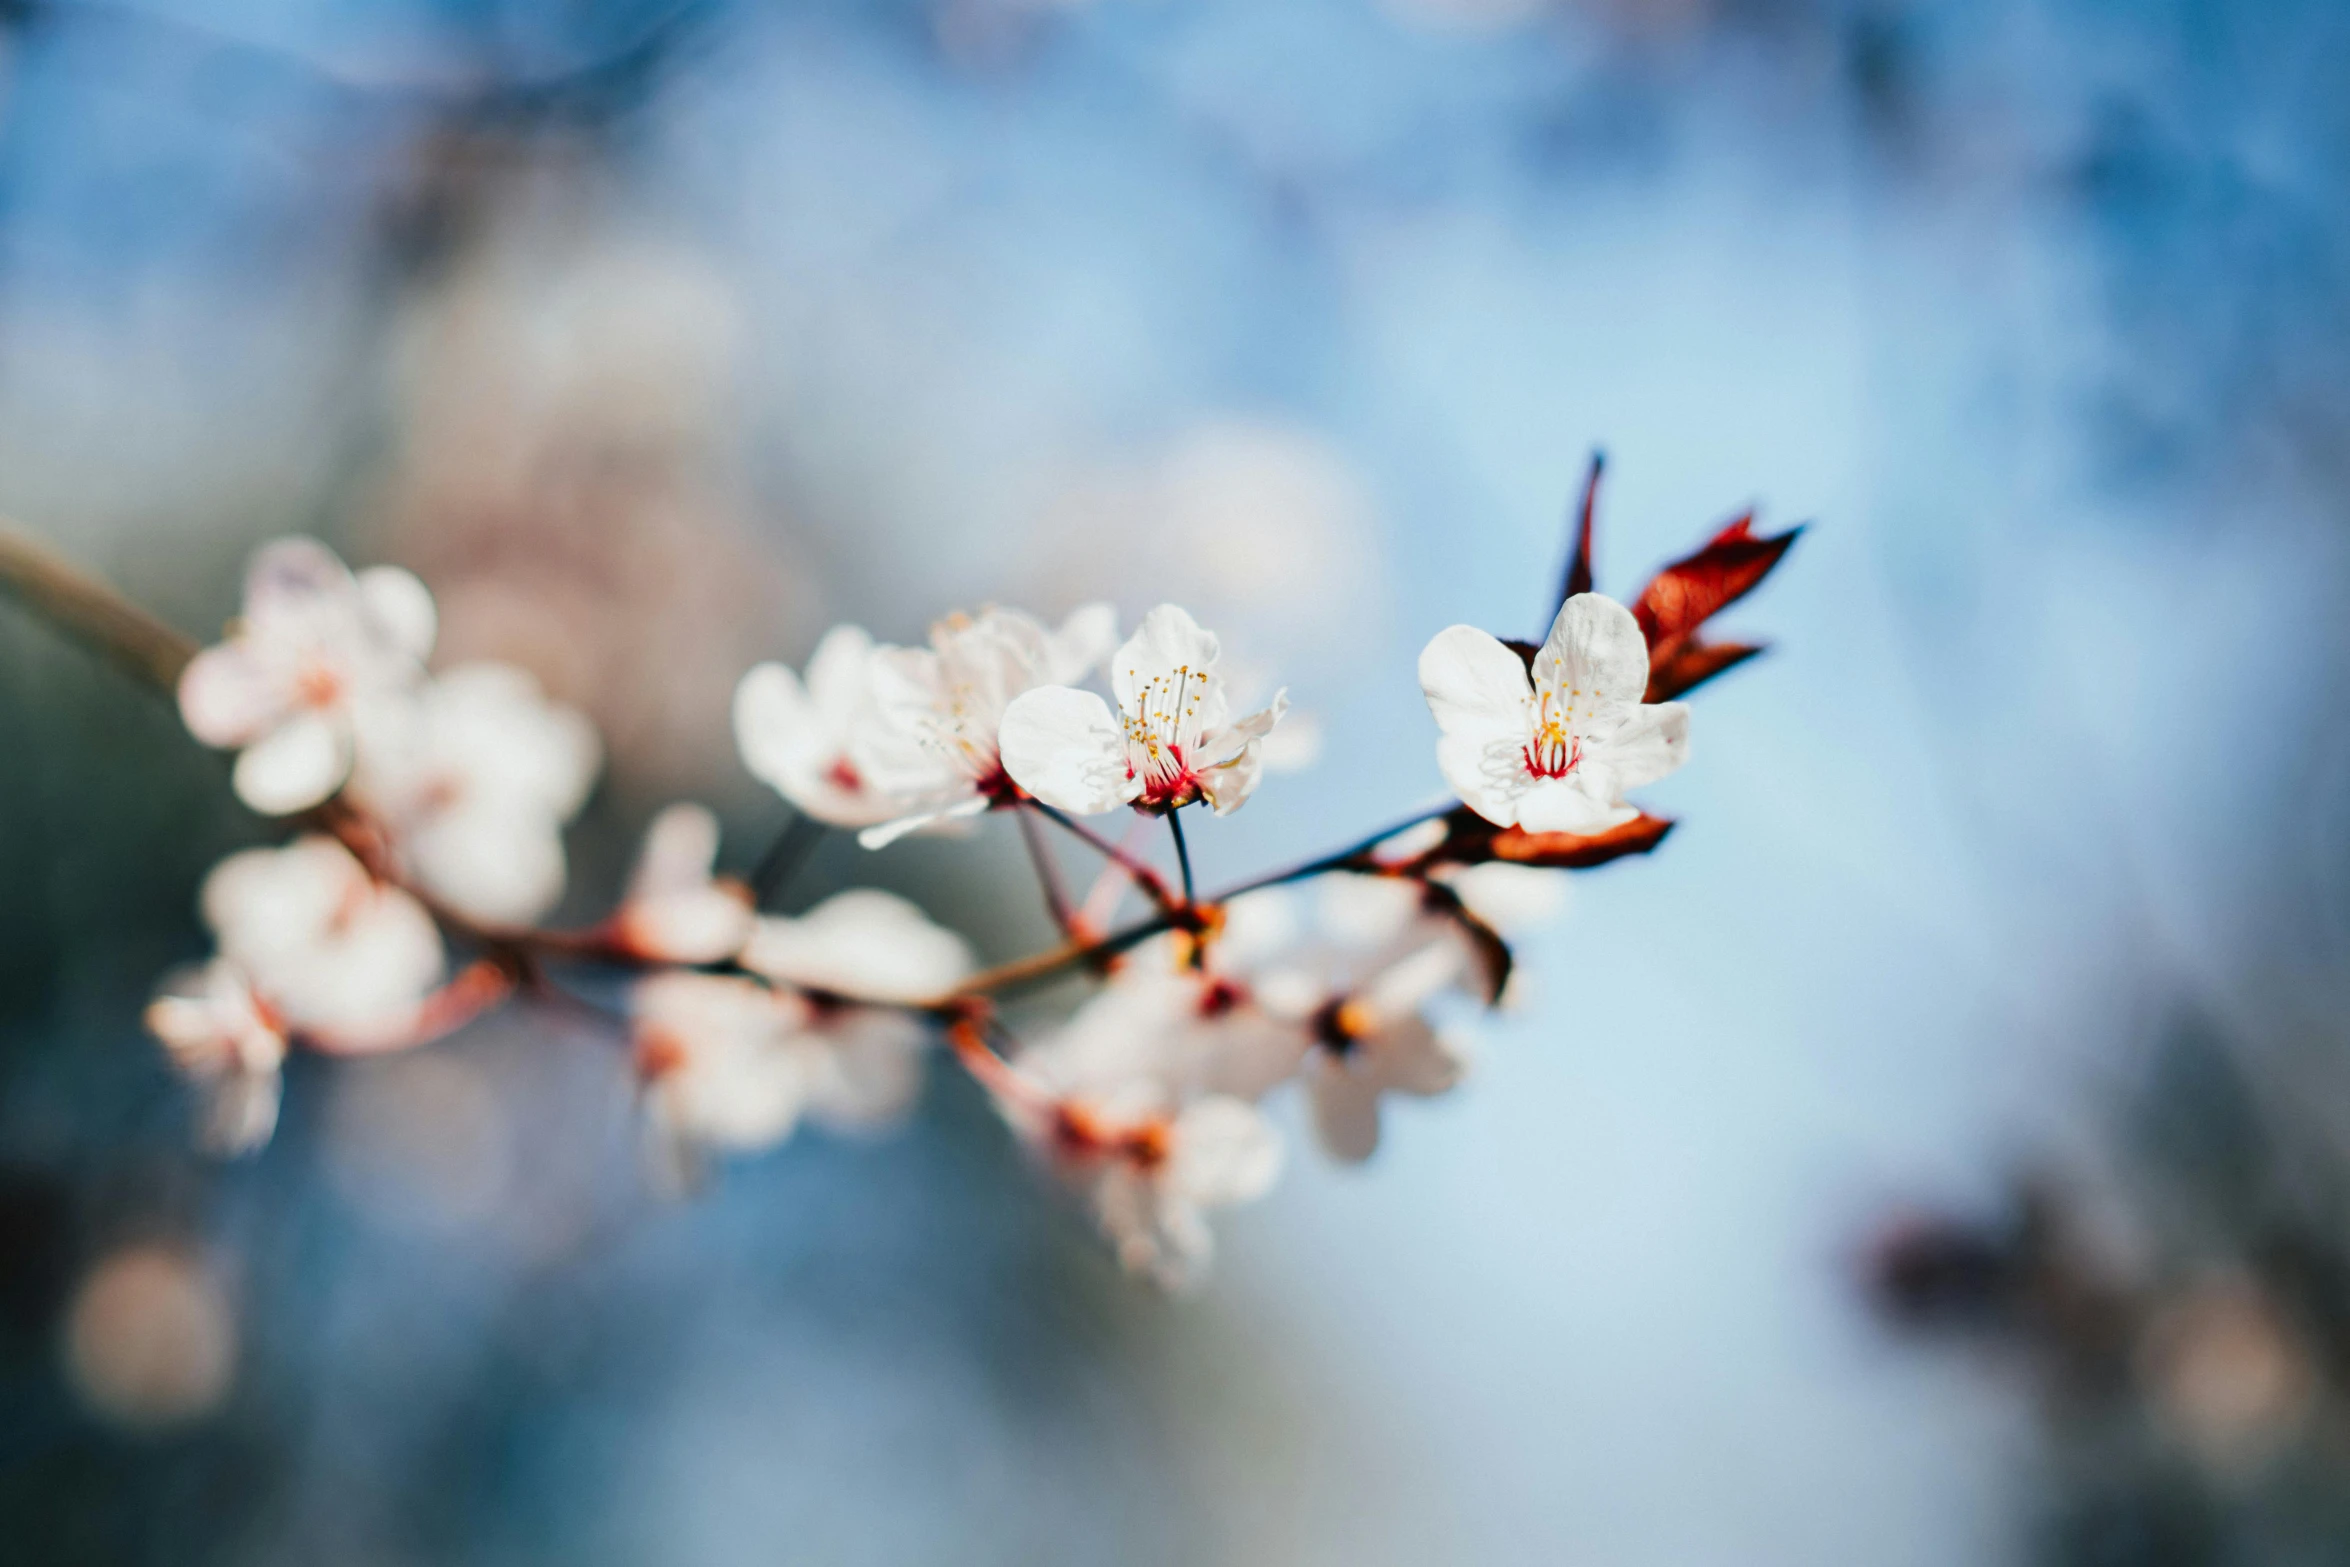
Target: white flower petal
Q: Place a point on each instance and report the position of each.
(291, 581)
(775, 724)
(863, 943)
(1410, 1057)
(1398, 990)
(951, 818)
(498, 868)
(400, 609)
(1653, 742)
(865, 1070)
(1594, 664)
(228, 695)
(1167, 640)
(294, 766)
(1510, 898)
(1346, 1108)
(837, 674)
(1564, 805)
(1479, 695)
(723, 1056)
(1222, 745)
(240, 1112)
(1066, 748)
(703, 924)
(1229, 784)
(681, 846)
(1225, 1152)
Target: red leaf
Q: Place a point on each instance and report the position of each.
(1494, 959)
(1692, 590)
(1470, 839)
(1692, 664)
(1579, 559)
(1579, 851)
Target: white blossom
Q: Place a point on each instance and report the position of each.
(314, 642)
(1553, 749)
(1173, 1021)
(676, 910)
(710, 1049)
(1168, 744)
(863, 1062)
(1150, 1173)
(731, 1063)
(1370, 1040)
(1396, 914)
(802, 737)
(228, 1042)
(933, 743)
(472, 776)
(862, 944)
(345, 960)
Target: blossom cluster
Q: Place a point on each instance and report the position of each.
(427, 812)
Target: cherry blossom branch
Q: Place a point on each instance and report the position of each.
(785, 856)
(1355, 856)
(101, 617)
(1182, 853)
(91, 610)
(1048, 877)
(1151, 883)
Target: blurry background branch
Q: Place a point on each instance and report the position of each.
(92, 611)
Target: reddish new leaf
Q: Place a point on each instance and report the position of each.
(1579, 851)
(1494, 960)
(1579, 577)
(1692, 664)
(1469, 839)
(1692, 590)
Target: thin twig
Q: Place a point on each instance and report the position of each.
(785, 856)
(101, 617)
(92, 611)
(1154, 886)
(1048, 876)
(1357, 853)
(1182, 853)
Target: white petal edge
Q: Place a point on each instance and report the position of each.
(1066, 748)
(294, 766)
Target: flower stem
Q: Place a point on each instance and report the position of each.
(1048, 877)
(1154, 887)
(99, 616)
(76, 602)
(1354, 854)
(785, 856)
(1182, 854)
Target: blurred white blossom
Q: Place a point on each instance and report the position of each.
(345, 960)
(938, 709)
(1369, 1040)
(313, 643)
(710, 1049)
(677, 910)
(800, 736)
(894, 740)
(1150, 1172)
(472, 777)
(862, 944)
(228, 1042)
(1170, 742)
(1552, 749)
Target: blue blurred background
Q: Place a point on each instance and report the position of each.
(657, 336)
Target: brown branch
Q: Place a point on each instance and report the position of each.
(101, 617)
(94, 613)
